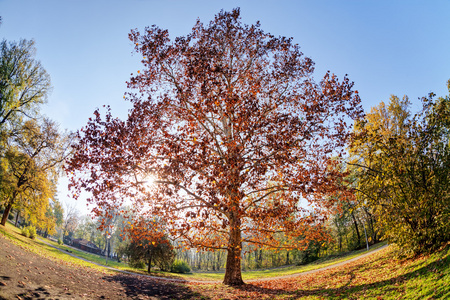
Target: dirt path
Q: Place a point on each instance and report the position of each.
(218, 281)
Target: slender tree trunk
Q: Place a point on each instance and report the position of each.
(17, 218)
(260, 259)
(374, 233)
(233, 275)
(336, 223)
(346, 239)
(149, 264)
(371, 221)
(150, 254)
(287, 258)
(12, 200)
(219, 255)
(6, 213)
(199, 262)
(357, 229)
(365, 234)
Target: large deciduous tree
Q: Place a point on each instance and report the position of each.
(229, 125)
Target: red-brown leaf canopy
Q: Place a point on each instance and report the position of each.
(232, 126)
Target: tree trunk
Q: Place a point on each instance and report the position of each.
(17, 218)
(374, 233)
(371, 221)
(218, 260)
(233, 274)
(11, 202)
(287, 258)
(150, 254)
(6, 213)
(357, 230)
(199, 262)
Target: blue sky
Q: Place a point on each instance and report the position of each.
(385, 47)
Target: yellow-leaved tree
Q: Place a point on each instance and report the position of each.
(401, 164)
(30, 165)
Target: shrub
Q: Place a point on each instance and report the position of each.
(59, 241)
(180, 266)
(29, 231)
(25, 232)
(137, 264)
(32, 231)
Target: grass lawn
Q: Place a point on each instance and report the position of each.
(208, 276)
(43, 249)
(381, 275)
(35, 245)
(282, 271)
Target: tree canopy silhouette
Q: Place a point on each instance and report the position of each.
(236, 136)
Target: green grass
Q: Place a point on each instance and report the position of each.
(382, 275)
(89, 256)
(282, 271)
(111, 263)
(208, 276)
(385, 276)
(41, 248)
(47, 251)
(35, 245)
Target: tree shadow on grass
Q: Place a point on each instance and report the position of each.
(138, 286)
(349, 291)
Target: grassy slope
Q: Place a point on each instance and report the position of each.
(276, 272)
(378, 276)
(34, 245)
(42, 248)
(425, 277)
(206, 276)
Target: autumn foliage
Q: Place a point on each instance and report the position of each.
(149, 244)
(232, 131)
(408, 196)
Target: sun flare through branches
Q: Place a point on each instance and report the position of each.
(236, 134)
